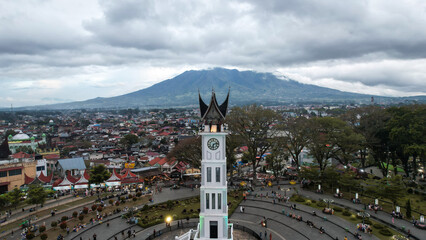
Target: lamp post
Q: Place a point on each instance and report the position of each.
(363, 215)
(328, 201)
(168, 222)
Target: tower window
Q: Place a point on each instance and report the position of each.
(218, 174)
(219, 201)
(207, 201)
(209, 174)
(213, 128)
(213, 201)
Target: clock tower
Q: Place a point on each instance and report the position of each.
(213, 191)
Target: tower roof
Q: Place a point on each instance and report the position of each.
(213, 112)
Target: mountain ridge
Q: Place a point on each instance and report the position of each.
(246, 87)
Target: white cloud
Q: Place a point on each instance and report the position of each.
(85, 48)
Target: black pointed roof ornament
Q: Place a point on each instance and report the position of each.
(213, 114)
(203, 106)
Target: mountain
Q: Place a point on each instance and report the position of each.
(245, 86)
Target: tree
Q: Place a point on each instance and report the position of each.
(128, 140)
(277, 158)
(187, 150)
(14, 197)
(322, 143)
(393, 188)
(36, 195)
(348, 180)
(3, 201)
(296, 137)
(330, 177)
(408, 209)
(310, 173)
(372, 126)
(347, 141)
(255, 127)
(99, 174)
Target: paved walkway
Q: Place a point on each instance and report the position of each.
(256, 209)
(118, 224)
(19, 214)
(381, 216)
(48, 218)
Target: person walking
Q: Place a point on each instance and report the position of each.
(94, 236)
(270, 236)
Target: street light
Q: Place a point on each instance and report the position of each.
(168, 221)
(328, 201)
(363, 215)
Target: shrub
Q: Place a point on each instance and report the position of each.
(53, 224)
(378, 226)
(74, 214)
(346, 213)
(111, 201)
(135, 199)
(138, 194)
(367, 221)
(385, 232)
(85, 210)
(100, 208)
(299, 199)
(81, 217)
(130, 196)
(63, 225)
(64, 218)
(184, 211)
(410, 191)
(191, 210)
(169, 204)
(321, 204)
(314, 201)
(42, 229)
(338, 209)
(30, 235)
(94, 206)
(117, 203)
(43, 236)
(145, 207)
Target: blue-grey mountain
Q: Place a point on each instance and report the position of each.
(245, 86)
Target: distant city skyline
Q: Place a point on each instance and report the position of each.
(62, 51)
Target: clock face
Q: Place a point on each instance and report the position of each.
(213, 144)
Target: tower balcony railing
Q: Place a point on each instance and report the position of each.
(191, 234)
(230, 231)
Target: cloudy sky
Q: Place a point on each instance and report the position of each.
(59, 51)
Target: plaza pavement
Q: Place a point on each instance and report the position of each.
(281, 226)
(380, 216)
(118, 224)
(19, 214)
(48, 218)
(256, 209)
